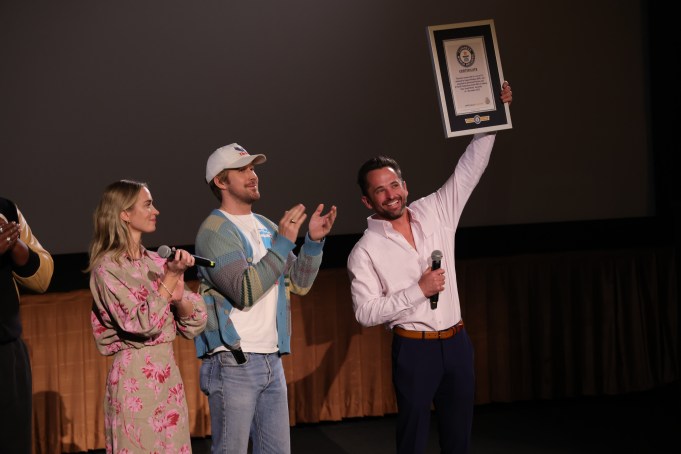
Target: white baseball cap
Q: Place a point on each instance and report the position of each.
(232, 156)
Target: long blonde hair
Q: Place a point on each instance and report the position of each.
(111, 234)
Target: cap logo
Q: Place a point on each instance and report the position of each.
(239, 148)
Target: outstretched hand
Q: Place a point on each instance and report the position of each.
(320, 225)
(290, 223)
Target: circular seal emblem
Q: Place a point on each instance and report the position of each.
(465, 56)
(477, 119)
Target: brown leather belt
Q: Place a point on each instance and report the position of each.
(429, 335)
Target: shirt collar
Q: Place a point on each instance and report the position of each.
(383, 227)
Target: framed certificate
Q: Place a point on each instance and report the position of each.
(468, 76)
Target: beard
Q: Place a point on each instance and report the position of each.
(393, 214)
(246, 195)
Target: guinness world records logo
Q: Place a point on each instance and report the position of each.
(465, 56)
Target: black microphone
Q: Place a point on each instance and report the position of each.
(169, 253)
(436, 256)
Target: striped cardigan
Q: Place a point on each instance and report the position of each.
(236, 281)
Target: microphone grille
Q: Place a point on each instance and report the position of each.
(436, 255)
(164, 251)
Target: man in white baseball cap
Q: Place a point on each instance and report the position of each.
(248, 301)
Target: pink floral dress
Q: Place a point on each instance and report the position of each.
(145, 409)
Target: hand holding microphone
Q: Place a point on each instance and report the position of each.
(169, 253)
(436, 257)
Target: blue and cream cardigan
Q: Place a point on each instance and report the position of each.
(236, 281)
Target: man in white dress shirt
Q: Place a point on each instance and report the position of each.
(392, 283)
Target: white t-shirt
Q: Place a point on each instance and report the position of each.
(256, 325)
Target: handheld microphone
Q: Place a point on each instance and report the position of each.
(436, 257)
(169, 253)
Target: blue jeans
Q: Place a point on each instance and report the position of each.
(247, 400)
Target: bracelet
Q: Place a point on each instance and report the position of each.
(164, 286)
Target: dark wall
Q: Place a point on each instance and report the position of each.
(97, 91)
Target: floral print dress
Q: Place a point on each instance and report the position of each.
(145, 409)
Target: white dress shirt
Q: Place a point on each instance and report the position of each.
(385, 269)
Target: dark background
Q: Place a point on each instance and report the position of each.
(93, 92)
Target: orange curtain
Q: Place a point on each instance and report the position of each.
(543, 326)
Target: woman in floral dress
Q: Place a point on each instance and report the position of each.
(140, 304)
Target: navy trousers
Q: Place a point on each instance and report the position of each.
(438, 373)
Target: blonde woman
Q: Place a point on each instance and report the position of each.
(140, 305)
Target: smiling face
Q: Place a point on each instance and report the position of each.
(239, 189)
(141, 217)
(386, 194)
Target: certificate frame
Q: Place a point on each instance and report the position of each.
(468, 75)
